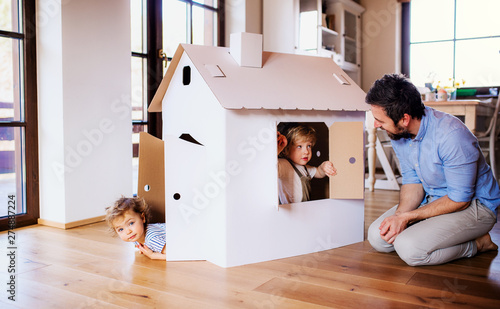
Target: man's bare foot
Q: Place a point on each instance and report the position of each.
(484, 243)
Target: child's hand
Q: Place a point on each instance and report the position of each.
(150, 254)
(328, 168)
(282, 142)
(144, 250)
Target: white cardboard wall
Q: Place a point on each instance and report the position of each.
(193, 109)
(256, 230)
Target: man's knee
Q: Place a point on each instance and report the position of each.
(409, 252)
(376, 241)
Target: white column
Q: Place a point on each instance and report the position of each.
(84, 107)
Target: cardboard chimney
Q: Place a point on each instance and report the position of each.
(246, 49)
(220, 122)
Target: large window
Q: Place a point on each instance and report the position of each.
(18, 120)
(457, 39)
(186, 21)
(157, 28)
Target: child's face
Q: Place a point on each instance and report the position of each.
(300, 152)
(130, 227)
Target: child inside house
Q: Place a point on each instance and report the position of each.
(128, 217)
(294, 175)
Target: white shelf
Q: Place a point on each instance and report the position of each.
(348, 66)
(328, 31)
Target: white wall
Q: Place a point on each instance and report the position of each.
(280, 25)
(84, 107)
(254, 16)
(381, 40)
(243, 16)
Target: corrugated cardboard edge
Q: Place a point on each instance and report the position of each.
(346, 153)
(155, 105)
(152, 174)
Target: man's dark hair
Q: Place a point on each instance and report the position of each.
(397, 96)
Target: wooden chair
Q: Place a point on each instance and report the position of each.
(376, 150)
(488, 139)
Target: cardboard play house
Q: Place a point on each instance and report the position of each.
(221, 110)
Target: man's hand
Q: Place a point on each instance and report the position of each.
(410, 197)
(392, 226)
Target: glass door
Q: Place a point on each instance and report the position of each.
(18, 121)
(350, 36)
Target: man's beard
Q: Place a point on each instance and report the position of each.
(403, 133)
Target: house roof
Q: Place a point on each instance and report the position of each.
(285, 81)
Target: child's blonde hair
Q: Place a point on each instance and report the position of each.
(124, 204)
(297, 133)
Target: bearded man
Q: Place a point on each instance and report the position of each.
(449, 196)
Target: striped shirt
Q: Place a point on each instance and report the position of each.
(156, 236)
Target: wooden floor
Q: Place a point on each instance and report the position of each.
(86, 268)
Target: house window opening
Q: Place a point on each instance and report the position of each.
(307, 148)
(186, 75)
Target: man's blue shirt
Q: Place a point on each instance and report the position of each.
(446, 159)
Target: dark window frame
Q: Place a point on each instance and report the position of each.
(405, 38)
(30, 123)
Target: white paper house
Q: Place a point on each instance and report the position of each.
(219, 131)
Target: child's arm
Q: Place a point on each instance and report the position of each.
(325, 169)
(150, 254)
